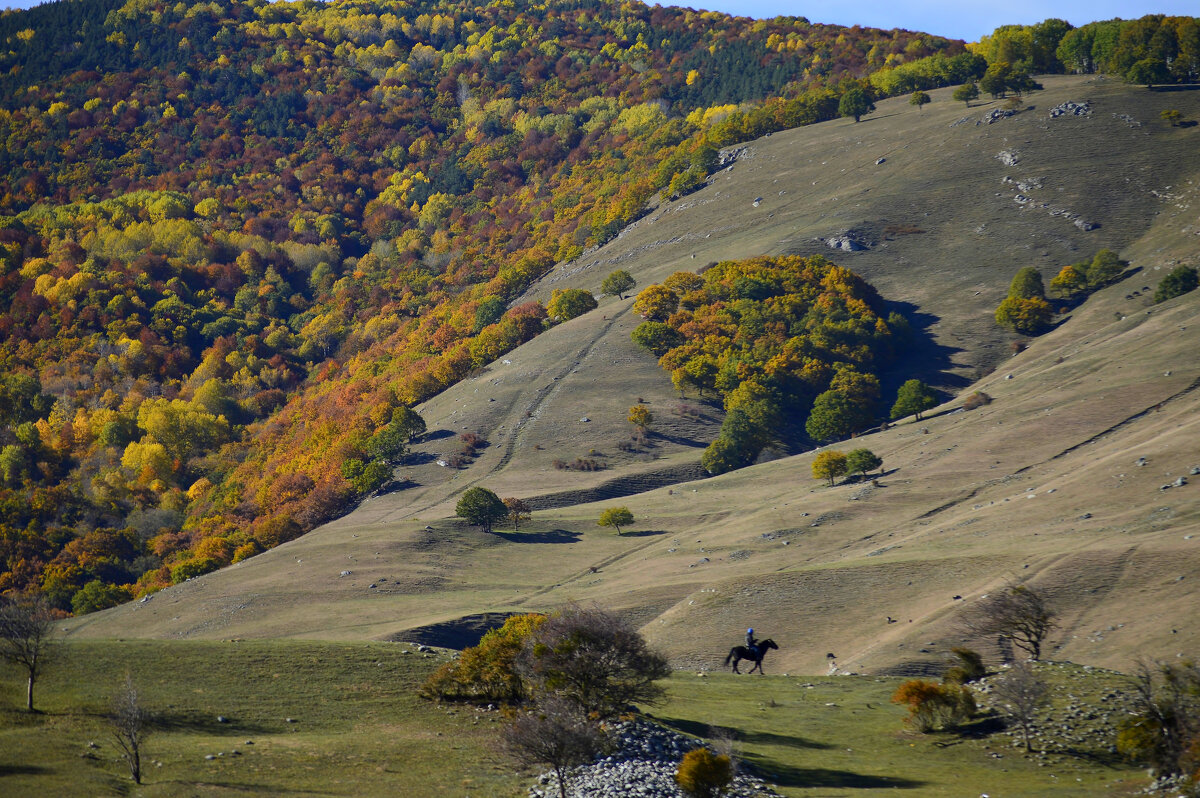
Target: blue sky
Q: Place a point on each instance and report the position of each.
(952, 18)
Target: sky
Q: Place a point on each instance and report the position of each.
(955, 19)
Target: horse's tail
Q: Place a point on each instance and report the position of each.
(732, 651)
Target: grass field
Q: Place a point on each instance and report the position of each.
(358, 728)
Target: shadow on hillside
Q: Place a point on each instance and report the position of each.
(678, 440)
(643, 533)
(789, 776)
(22, 770)
(236, 786)
(438, 434)
(921, 357)
(1183, 87)
(195, 721)
(553, 536)
(767, 738)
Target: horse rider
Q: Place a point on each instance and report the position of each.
(751, 642)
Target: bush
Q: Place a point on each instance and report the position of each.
(968, 668)
(703, 774)
(976, 400)
(486, 672)
(933, 706)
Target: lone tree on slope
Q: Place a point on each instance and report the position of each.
(913, 398)
(618, 284)
(855, 103)
(481, 506)
(1018, 613)
(616, 517)
(26, 626)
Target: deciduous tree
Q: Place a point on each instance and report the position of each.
(568, 303)
(860, 461)
(555, 732)
(830, 465)
(913, 398)
(966, 92)
(130, 724)
(1018, 694)
(518, 511)
(26, 637)
(616, 517)
(856, 103)
(919, 99)
(481, 507)
(1018, 613)
(1178, 282)
(618, 283)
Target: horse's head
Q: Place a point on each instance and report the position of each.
(769, 643)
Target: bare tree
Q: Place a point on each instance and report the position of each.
(130, 727)
(1018, 614)
(552, 732)
(1019, 694)
(26, 629)
(593, 659)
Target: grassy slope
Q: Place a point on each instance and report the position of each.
(359, 730)
(952, 517)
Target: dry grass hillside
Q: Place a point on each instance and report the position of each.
(1041, 485)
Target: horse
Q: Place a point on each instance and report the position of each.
(755, 655)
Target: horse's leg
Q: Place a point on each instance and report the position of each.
(736, 660)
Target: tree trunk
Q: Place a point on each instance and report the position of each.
(29, 694)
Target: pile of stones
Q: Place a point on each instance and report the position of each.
(642, 763)
(1070, 108)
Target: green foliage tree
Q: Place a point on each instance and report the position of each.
(834, 417)
(481, 507)
(615, 517)
(703, 774)
(656, 337)
(1147, 72)
(1025, 309)
(409, 422)
(27, 637)
(996, 80)
(618, 283)
(855, 102)
(860, 461)
(490, 311)
(1178, 281)
(1104, 269)
(96, 595)
(968, 666)
(966, 92)
(829, 465)
(913, 398)
(568, 303)
(919, 99)
(1171, 116)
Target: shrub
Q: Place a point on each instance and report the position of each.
(703, 774)
(486, 672)
(968, 668)
(933, 706)
(976, 400)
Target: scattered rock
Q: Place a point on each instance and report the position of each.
(1070, 108)
(881, 160)
(1008, 157)
(222, 719)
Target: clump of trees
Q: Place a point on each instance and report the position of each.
(566, 673)
(1177, 282)
(1025, 309)
(831, 464)
(1076, 280)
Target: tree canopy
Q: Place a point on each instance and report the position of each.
(856, 103)
(481, 507)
